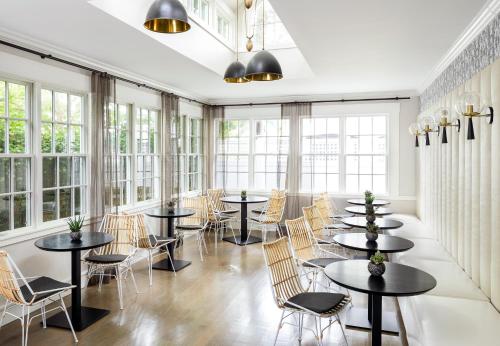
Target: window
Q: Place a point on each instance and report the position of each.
(15, 156)
(344, 154)
(223, 26)
(232, 153)
(147, 157)
(63, 155)
(194, 157)
(270, 154)
(201, 8)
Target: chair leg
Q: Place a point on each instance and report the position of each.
(342, 328)
(129, 269)
(101, 277)
(200, 245)
(119, 286)
(150, 267)
(44, 316)
(301, 323)
(23, 338)
(27, 326)
(171, 262)
(63, 306)
(279, 327)
(4, 312)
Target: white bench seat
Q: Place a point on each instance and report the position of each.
(424, 249)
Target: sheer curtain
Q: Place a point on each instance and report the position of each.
(210, 132)
(103, 146)
(294, 112)
(170, 160)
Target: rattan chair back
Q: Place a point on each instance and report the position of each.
(9, 286)
(300, 239)
(314, 220)
(123, 228)
(200, 206)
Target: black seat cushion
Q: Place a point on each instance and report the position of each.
(321, 262)
(341, 216)
(338, 226)
(319, 302)
(229, 211)
(223, 217)
(190, 227)
(259, 210)
(154, 240)
(253, 218)
(40, 284)
(106, 258)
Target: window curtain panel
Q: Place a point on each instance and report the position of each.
(210, 114)
(459, 186)
(294, 112)
(169, 133)
(103, 146)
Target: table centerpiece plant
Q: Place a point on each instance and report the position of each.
(376, 266)
(370, 211)
(371, 231)
(171, 205)
(75, 228)
(244, 195)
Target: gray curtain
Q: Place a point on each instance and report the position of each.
(210, 114)
(294, 112)
(169, 133)
(103, 153)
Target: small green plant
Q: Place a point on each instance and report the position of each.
(371, 228)
(244, 193)
(378, 258)
(172, 203)
(369, 197)
(76, 223)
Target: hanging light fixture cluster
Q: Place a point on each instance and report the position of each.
(235, 72)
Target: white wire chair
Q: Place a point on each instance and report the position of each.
(215, 195)
(270, 219)
(152, 243)
(115, 258)
(293, 299)
(197, 223)
(40, 290)
(274, 193)
(219, 221)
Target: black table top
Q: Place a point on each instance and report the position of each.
(384, 243)
(361, 201)
(361, 210)
(249, 199)
(360, 222)
(62, 242)
(398, 279)
(164, 213)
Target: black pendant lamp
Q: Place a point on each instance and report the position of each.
(167, 17)
(263, 66)
(235, 73)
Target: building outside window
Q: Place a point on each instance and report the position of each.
(147, 156)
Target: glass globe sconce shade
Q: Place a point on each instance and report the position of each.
(427, 125)
(444, 119)
(470, 105)
(414, 130)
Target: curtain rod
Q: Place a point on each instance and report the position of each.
(319, 101)
(70, 63)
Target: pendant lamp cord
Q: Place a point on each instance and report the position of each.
(237, 27)
(263, 22)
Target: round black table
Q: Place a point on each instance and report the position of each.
(360, 222)
(359, 317)
(384, 243)
(164, 213)
(81, 316)
(243, 238)
(361, 210)
(398, 280)
(361, 201)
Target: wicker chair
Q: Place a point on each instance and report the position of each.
(152, 243)
(333, 211)
(274, 193)
(325, 213)
(311, 257)
(215, 196)
(114, 259)
(270, 217)
(219, 221)
(39, 290)
(291, 297)
(197, 223)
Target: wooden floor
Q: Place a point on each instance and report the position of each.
(225, 300)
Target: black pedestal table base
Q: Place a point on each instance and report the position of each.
(166, 265)
(88, 316)
(241, 241)
(357, 318)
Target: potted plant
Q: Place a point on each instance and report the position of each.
(369, 198)
(371, 231)
(244, 195)
(75, 228)
(370, 213)
(376, 266)
(171, 206)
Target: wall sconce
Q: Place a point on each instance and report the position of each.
(469, 105)
(427, 125)
(444, 120)
(414, 130)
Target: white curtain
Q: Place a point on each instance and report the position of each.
(459, 186)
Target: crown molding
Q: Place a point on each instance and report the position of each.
(66, 54)
(480, 21)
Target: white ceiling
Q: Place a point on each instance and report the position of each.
(355, 46)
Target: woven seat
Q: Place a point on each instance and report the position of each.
(340, 216)
(320, 262)
(338, 226)
(106, 258)
(273, 212)
(190, 227)
(41, 284)
(259, 210)
(319, 302)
